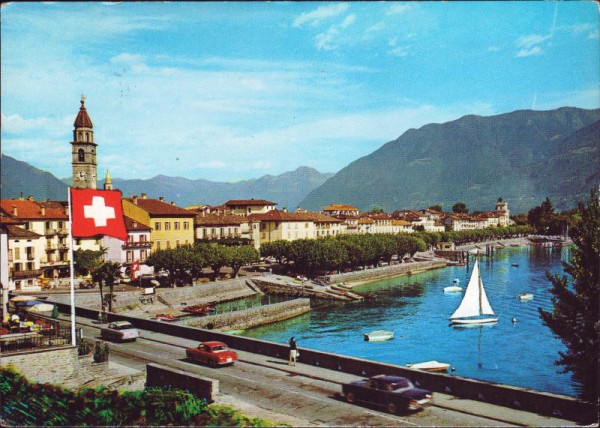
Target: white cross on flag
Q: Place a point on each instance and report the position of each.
(97, 212)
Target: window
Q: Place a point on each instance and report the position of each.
(177, 242)
(18, 267)
(143, 255)
(81, 155)
(157, 225)
(168, 244)
(158, 245)
(129, 256)
(176, 225)
(167, 225)
(60, 225)
(186, 225)
(17, 254)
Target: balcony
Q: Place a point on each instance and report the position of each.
(63, 232)
(30, 256)
(131, 245)
(26, 273)
(63, 247)
(50, 232)
(51, 247)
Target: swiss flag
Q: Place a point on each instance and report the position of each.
(135, 267)
(97, 212)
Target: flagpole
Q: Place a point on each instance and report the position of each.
(73, 338)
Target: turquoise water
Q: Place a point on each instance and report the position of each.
(417, 310)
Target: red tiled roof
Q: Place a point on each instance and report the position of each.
(220, 220)
(32, 210)
(340, 207)
(83, 120)
(155, 207)
(19, 232)
(131, 224)
(276, 215)
(249, 202)
(401, 223)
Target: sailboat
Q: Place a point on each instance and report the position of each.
(474, 307)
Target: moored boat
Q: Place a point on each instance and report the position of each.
(525, 296)
(430, 366)
(379, 336)
(452, 289)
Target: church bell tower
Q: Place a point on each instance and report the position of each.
(84, 151)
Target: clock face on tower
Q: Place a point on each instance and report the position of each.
(81, 176)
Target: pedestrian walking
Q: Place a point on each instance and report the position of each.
(293, 351)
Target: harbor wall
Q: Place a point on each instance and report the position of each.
(386, 271)
(508, 396)
(248, 318)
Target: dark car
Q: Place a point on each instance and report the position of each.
(213, 353)
(394, 393)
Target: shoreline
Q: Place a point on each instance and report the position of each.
(420, 266)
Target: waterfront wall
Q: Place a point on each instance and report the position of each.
(503, 395)
(386, 271)
(248, 318)
(203, 387)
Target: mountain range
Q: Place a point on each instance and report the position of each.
(522, 156)
(287, 189)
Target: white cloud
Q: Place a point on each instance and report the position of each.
(325, 41)
(594, 35)
(529, 52)
(399, 51)
(127, 58)
(399, 8)
(376, 27)
(531, 40)
(323, 12)
(17, 125)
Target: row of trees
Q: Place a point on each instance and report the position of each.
(313, 256)
(187, 262)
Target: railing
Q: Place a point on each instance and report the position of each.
(49, 334)
(50, 232)
(137, 244)
(51, 247)
(63, 231)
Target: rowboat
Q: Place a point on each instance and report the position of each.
(526, 296)
(379, 336)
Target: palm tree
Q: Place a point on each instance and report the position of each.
(108, 273)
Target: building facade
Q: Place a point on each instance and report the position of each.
(83, 151)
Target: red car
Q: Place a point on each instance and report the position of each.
(212, 353)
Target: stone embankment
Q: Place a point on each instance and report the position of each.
(285, 285)
(368, 275)
(252, 317)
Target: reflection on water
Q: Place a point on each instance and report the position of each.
(520, 353)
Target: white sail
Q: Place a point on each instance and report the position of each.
(474, 301)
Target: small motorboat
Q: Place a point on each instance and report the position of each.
(514, 264)
(526, 296)
(379, 336)
(452, 289)
(456, 281)
(430, 366)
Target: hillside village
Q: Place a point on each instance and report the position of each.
(34, 234)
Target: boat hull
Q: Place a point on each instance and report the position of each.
(487, 320)
(379, 336)
(452, 289)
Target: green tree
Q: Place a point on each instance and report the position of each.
(460, 208)
(108, 273)
(435, 207)
(86, 261)
(575, 314)
(177, 262)
(238, 256)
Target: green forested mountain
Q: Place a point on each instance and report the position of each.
(21, 179)
(522, 157)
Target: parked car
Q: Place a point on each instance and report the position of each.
(120, 331)
(394, 393)
(212, 353)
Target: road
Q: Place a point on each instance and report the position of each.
(266, 387)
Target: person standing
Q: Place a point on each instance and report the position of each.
(293, 351)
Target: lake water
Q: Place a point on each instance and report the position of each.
(417, 310)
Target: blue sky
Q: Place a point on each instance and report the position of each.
(231, 91)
